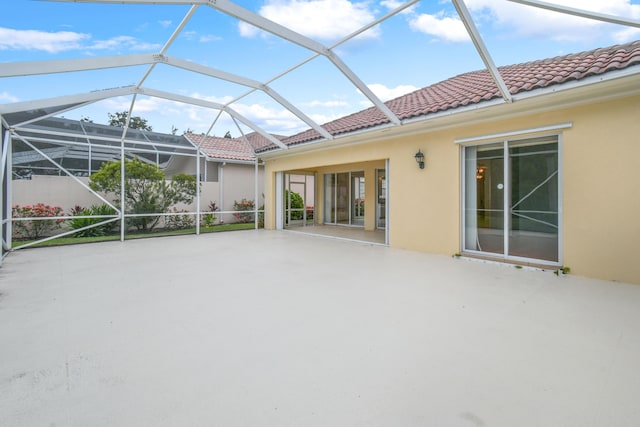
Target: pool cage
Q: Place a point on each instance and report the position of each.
(37, 147)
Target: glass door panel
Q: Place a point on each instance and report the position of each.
(329, 198)
(299, 199)
(381, 202)
(528, 182)
(534, 201)
(357, 198)
(342, 198)
(484, 198)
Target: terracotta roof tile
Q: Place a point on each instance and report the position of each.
(231, 148)
(478, 86)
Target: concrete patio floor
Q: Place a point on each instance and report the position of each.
(266, 328)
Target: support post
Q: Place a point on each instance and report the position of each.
(221, 176)
(122, 191)
(8, 196)
(5, 135)
(255, 197)
(198, 192)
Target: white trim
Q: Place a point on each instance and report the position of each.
(560, 199)
(492, 137)
(279, 208)
(387, 224)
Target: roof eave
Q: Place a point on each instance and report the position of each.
(597, 88)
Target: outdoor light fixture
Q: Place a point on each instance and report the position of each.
(420, 159)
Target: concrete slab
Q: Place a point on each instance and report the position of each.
(281, 329)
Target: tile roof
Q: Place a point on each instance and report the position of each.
(222, 148)
(230, 148)
(478, 86)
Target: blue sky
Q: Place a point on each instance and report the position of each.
(413, 49)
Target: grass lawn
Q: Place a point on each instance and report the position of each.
(70, 240)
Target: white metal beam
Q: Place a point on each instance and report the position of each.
(580, 12)
(296, 38)
(249, 123)
(212, 72)
(56, 164)
(363, 88)
(467, 20)
(258, 21)
(214, 105)
(32, 68)
(65, 100)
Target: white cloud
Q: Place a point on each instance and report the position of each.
(66, 40)
(318, 19)
(447, 28)
(7, 97)
(40, 40)
(122, 43)
(326, 104)
(161, 114)
(386, 93)
(165, 23)
(527, 21)
(205, 38)
(394, 4)
(626, 35)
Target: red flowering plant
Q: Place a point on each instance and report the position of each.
(242, 206)
(32, 229)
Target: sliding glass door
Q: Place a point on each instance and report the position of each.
(344, 198)
(511, 199)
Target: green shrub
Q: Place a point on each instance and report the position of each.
(146, 190)
(179, 221)
(296, 203)
(96, 210)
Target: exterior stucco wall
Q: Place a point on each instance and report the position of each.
(238, 183)
(188, 165)
(599, 175)
(66, 192)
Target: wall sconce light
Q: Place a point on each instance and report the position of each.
(420, 159)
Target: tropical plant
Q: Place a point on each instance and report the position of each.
(209, 219)
(96, 210)
(33, 229)
(146, 190)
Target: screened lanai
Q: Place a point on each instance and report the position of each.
(84, 71)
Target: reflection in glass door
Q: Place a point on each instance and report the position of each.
(527, 184)
(381, 202)
(344, 198)
(357, 198)
(299, 199)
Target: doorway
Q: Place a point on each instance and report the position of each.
(511, 199)
(299, 199)
(344, 198)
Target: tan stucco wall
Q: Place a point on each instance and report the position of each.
(599, 178)
(67, 193)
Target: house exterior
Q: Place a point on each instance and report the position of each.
(231, 163)
(548, 179)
